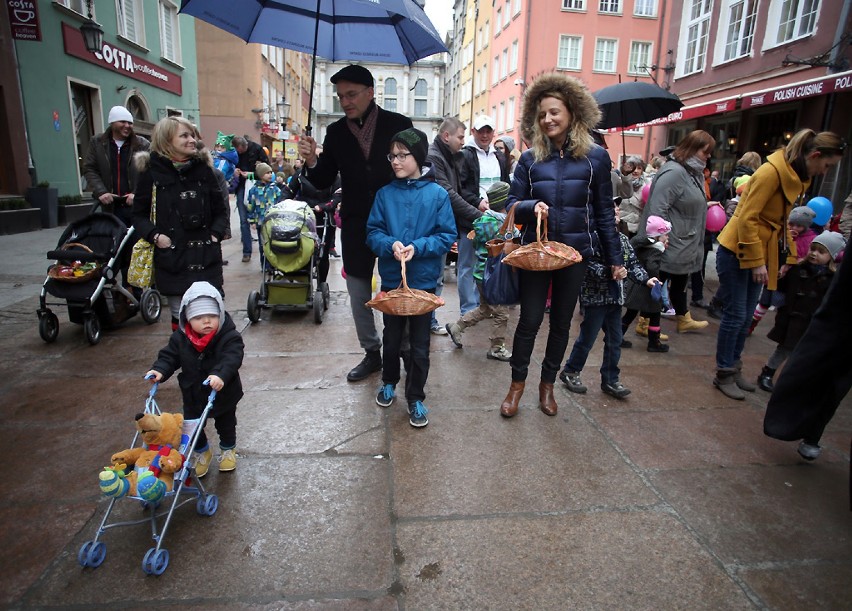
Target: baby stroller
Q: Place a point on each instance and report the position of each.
(156, 559)
(289, 252)
(86, 275)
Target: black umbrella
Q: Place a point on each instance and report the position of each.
(627, 104)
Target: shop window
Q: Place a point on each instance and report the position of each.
(771, 129)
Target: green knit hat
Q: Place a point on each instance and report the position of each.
(224, 140)
(498, 194)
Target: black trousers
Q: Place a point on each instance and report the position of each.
(417, 366)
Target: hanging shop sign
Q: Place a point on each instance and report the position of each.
(121, 61)
(798, 91)
(23, 19)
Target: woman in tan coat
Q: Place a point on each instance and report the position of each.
(755, 246)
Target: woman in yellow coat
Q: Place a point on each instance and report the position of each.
(755, 247)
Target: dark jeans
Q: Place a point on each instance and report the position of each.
(677, 291)
(595, 318)
(226, 427)
(417, 367)
(534, 286)
(739, 295)
(245, 229)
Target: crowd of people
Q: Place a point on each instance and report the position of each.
(401, 200)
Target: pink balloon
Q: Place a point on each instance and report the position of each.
(716, 218)
(646, 191)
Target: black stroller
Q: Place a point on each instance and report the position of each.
(87, 276)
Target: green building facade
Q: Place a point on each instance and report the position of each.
(147, 63)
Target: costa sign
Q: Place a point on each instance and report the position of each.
(121, 61)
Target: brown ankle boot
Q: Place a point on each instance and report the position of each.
(509, 406)
(546, 402)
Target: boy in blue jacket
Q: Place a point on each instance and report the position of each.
(411, 220)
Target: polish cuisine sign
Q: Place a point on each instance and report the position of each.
(789, 93)
(118, 60)
(23, 19)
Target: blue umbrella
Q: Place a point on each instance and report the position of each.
(394, 31)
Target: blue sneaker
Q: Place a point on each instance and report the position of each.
(417, 414)
(386, 395)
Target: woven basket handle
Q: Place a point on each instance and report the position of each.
(540, 227)
(70, 245)
(404, 281)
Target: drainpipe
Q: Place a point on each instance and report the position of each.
(524, 76)
(473, 60)
(659, 63)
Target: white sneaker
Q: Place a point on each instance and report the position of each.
(809, 451)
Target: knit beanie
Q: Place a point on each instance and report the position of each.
(119, 113)
(497, 195)
(261, 169)
(509, 142)
(202, 305)
(656, 226)
(832, 241)
(802, 216)
(416, 143)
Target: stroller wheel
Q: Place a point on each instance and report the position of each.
(253, 306)
(207, 506)
(92, 553)
(318, 307)
(155, 561)
(92, 328)
(326, 294)
(48, 327)
(150, 306)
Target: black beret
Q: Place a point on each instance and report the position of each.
(353, 74)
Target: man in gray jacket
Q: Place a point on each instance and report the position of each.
(108, 170)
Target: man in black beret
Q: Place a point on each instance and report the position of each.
(356, 146)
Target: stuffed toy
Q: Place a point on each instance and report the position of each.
(147, 471)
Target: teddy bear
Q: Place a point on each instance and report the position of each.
(147, 471)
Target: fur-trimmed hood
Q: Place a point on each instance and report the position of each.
(583, 107)
(142, 159)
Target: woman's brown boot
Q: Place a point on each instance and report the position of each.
(546, 402)
(510, 404)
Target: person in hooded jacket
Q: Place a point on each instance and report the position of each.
(412, 221)
(564, 177)
(206, 348)
(191, 216)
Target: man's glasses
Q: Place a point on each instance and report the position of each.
(348, 97)
(399, 157)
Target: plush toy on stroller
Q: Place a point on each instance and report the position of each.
(290, 251)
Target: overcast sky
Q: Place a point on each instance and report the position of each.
(440, 12)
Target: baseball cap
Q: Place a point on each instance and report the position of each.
(483, 121)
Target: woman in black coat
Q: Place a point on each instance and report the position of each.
(191, 217)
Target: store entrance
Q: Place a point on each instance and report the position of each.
(83, 100)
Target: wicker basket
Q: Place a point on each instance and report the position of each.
(543, 255)
(55, 270)
(404, 301)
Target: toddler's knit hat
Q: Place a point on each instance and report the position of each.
(802, 216)
(415, 141)
(261, 169)
(224, 140)
(202, 305)
(832, 241)
(498, 194)
(656, 226)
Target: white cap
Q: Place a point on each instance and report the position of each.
(119, 113)
(483, 121)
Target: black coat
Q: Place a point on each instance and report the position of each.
(190, 209)
(221, 357)
(470, 174)
(360, 180)
(248, 160)
(639, 295)
(446, 169)
(804, 287)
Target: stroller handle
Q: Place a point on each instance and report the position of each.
(154, 386)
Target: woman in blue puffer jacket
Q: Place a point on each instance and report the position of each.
(565, 177)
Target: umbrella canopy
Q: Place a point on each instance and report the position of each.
(394, 31)
(627, 104)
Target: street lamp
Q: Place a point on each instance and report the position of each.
(93, 34)
(283, 110)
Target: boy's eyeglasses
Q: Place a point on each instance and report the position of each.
(399, 157)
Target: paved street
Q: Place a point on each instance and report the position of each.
(672, 499)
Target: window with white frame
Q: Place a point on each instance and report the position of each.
(510, 115)
(640, 57)
(483, 82)
(694, 36)
(612, 7)
(570, 52)
(606, 50)
(78, 6)
(495, 71)
(169, 31)
(517, 8)
(501, 117)
(504, 64)
(264, 51)
(513, 58)
(390, 94)
(498, 21)
(507, 14)
(740, 31)
(130, 22)
(421, 92)
(792, 19)
(573, 5)
(485, 37)
(645, 8)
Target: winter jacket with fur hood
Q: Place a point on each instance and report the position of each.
(578, 190)
(191, 211)
(222, 357)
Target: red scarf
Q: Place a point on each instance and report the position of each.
(199, 342)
